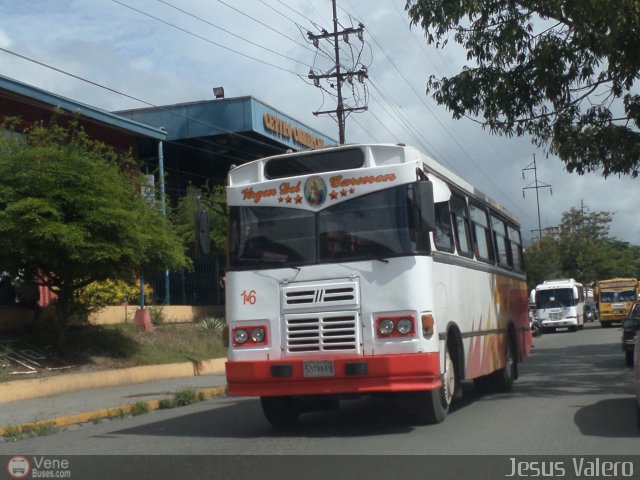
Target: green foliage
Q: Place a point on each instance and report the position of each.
(20, 432)
(157, 315)
(562, 72)
(213, 201)
(187, 397)
(583, 251)
(71, 214)
(97, 295)
(212, 325)
(166, 403)
(139, 408)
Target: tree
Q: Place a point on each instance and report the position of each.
(584, 251)
(211, 199)
(71, 213)
(543, 262)
(561, 71)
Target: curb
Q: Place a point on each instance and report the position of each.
(44, 387)
(101, 414)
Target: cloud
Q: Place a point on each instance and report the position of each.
(5, 41)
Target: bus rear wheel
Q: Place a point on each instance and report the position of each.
(281, 412)
(432, 406)
(503, 379)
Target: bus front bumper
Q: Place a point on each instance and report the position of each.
(337, 375)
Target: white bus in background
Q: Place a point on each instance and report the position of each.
(368, 269)
(560, 304)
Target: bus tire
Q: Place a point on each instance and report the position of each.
(432, 406)
(502, 380)
(281, 412)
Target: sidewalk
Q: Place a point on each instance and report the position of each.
(90, 402)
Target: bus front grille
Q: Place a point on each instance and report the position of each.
(322, 332)
(327, 294)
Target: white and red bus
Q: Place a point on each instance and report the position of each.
(367, 269)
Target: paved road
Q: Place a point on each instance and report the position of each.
(574, 397)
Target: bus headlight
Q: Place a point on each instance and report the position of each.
(385, 327)
(257, 335)
(405, 326)
(240, 336)
(395, 326)
(250, 336)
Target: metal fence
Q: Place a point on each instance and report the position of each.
(198, 286)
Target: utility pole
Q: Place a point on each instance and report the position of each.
(337, 72)
(537, 186)
(583, 208)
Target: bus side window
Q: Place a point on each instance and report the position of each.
(461, 227)
(443, 234)
(481, 234)
(516, 248)
(500, 241)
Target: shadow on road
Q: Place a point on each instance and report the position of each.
(613, 418)
(244, 419)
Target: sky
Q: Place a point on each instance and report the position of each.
(123, 54)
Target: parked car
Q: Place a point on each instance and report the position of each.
(591, 312)
(630, 327)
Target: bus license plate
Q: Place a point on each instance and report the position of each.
(318, 369)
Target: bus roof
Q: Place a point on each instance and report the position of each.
(561, 282)
(375, 155)
(618, 282)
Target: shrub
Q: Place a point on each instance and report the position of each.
(97, 295)
(186, 397)
(212, 325)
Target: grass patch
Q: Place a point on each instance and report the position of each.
(187, 397)
(166, 403)
(127, 345)
(16, 432)
(139, 408)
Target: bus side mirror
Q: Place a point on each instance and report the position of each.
(426, 206)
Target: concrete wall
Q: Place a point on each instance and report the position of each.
(16, 318)
(169, 313)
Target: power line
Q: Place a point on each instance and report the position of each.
(231, 33)
(204, 38)
(266, 25)
(77, 77)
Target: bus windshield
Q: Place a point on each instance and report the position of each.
(555, 298)
(372, 226)
(624, 296)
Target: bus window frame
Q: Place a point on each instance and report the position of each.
(466, 221)
(517, 266)
(497, 219)
(443, 212)
(487, 233)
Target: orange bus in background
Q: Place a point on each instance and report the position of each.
(615, 298)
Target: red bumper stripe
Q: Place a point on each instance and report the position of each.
(391, 373)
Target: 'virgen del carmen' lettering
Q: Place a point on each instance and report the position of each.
(339, 181)
(287, 189)
(256, 196)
